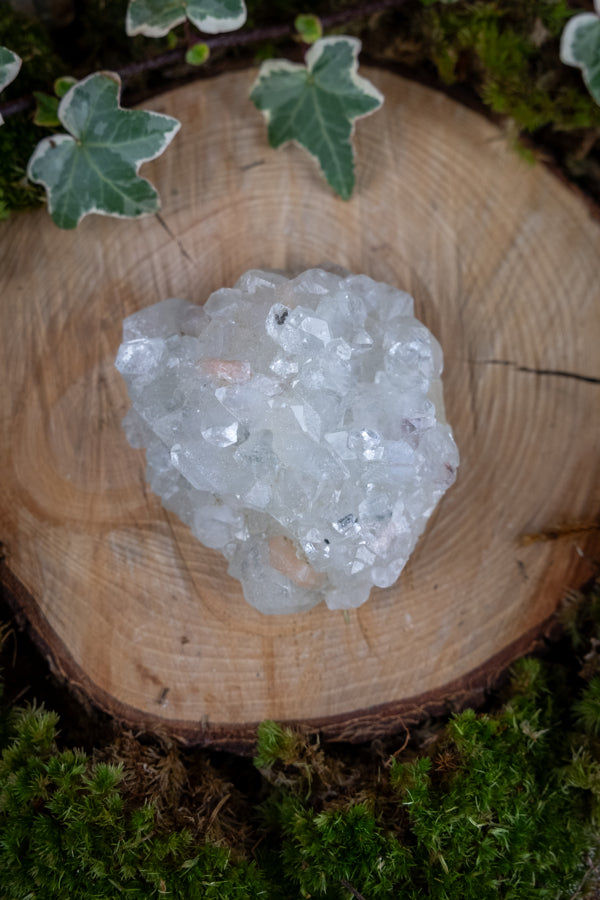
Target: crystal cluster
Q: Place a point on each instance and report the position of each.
(296, 425)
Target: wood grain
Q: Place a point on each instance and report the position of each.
(502, 260)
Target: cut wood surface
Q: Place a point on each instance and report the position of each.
(503, 261)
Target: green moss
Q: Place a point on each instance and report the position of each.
(18, 135)
(326, 853)
(504, 805)
(276, 742)
(18, 138)
(510, 52)
(31, 42)
(65, 831)
(500, 825)
(587, 708)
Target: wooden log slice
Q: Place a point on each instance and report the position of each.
(503, 262)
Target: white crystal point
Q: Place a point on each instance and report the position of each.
(295, 424)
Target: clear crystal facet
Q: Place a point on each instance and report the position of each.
(296, 425)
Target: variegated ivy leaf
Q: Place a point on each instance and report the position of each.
(155, 18)
(316, 105)
(9, 68)
(580, 46)
(93, 169)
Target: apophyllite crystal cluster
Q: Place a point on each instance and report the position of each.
(296, 425)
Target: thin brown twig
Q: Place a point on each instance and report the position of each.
(220, 41)
(404, 745)
(352, 889)
(590, 871)
(218, 809)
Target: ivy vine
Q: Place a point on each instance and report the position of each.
(93, 165)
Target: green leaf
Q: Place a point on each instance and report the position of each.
(94, 167)
(155, 18)
(9, 69)
(197, 54)
(309, 28)
(64, 84)
(316, 105)
(580, 46)
(46, 110)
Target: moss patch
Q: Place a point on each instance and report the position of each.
(501, 804)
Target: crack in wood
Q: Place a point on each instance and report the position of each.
(174, 237)
(558, 373)
(252, 165)
(570, 529)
